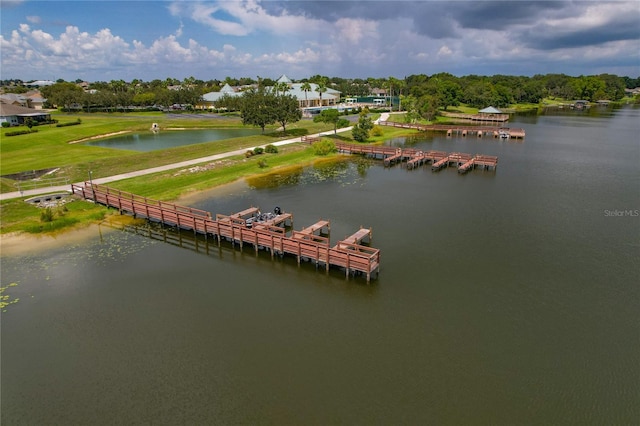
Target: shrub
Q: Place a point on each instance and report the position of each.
(5, 124)
(258, 150)
(248, 154)
(46, 215)
(377, 131)
(20, 132)
(262, 163)
(324, 147)
(271, 149)
(359, 134)
(72, 123)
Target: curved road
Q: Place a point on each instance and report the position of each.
(182, 164)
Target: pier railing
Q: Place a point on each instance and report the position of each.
(306, 247)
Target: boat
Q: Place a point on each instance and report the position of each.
(263, 217)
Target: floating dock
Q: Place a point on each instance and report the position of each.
(241, 228)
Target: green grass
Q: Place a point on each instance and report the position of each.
(18, 216)
(50, 148)
(175, 183)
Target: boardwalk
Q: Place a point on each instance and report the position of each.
(240, 228)
(458, 129)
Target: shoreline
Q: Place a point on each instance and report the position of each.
(106, 135)
(20, 243)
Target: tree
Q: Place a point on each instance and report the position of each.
(305, 87)
(330, 116)
(286, 110)
(448, 92)
(321, 88)
(63, 94)
(281, 88)
(361, 130)
(258, 108)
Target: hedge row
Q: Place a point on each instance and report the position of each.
(73, 123)
(20, 132)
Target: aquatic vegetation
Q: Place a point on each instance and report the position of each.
(5, 299)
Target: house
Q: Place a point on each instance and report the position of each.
(35, 99)
(14, 99)
(40, 83)
(309, 99)
(210, 99)
(16, 115)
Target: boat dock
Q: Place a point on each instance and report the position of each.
(462, 130)
(242, 228)
(415, 158)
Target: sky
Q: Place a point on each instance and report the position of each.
(97, 40)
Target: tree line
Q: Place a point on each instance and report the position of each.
(420, 93)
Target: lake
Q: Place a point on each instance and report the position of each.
(163, 139)
(506, 297)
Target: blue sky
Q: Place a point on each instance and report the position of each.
(106, 40)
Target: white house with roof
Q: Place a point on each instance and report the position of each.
(306, 99)
(310, 98)
(16, 115)
(211, 98)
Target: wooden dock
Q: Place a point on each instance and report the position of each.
(415, 158)
(462, 130)
(348, 254)
(477, 117)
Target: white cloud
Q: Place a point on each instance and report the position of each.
(355, 31)
(241, 18)
(444, 51)
(34, 19)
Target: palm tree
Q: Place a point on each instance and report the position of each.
(305, 87)
(281, 87)
(322, 87)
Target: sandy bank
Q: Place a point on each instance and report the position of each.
(106, 135)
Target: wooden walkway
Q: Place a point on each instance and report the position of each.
(415, 158)
(458, 129)
(477, 117)
(348, 254)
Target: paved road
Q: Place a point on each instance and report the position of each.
(182, 164)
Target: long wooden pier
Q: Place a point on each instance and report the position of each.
(271, 235)
(458, 129)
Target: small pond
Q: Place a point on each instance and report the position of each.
(163, 139)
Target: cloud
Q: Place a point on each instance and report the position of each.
(241, 18)
(595, 25)
(348, 39)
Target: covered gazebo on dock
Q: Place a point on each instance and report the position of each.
(492, 114)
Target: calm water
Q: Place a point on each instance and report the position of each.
(150, 141)
(506, 298)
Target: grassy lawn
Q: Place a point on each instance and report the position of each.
(50, 147)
